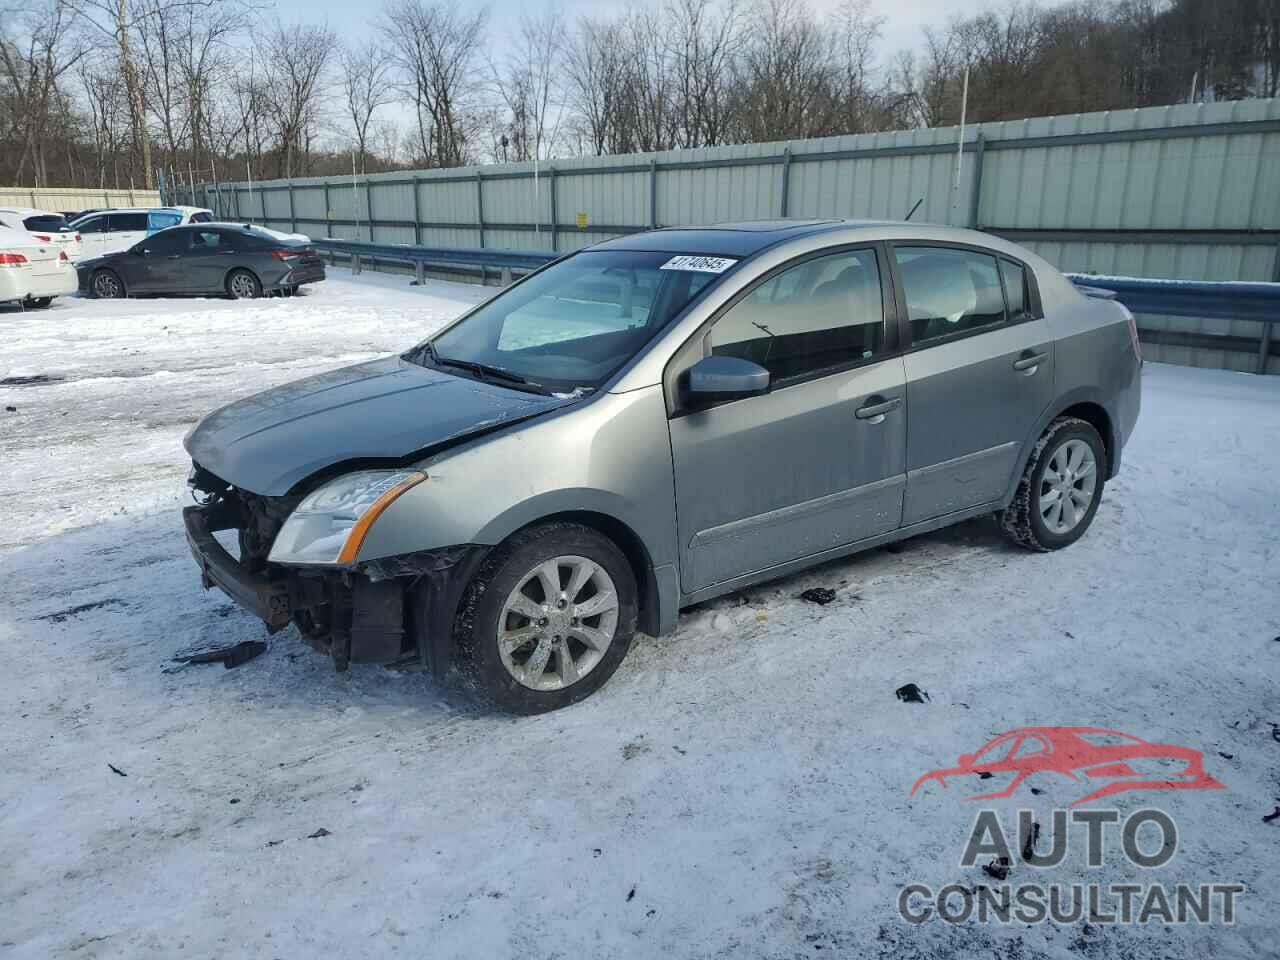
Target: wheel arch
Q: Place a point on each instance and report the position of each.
(1086, 403)
(632, 547)
(232, 271)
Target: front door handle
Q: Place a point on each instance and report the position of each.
(175, 256)
(1030, 363)
(875, 410)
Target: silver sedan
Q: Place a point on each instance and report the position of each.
(655, 421)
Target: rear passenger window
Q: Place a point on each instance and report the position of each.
(125, 222)
(1015, 289)
(949, 291)
(95, 225)
(209, 241)
(823, 313)
(202, 218)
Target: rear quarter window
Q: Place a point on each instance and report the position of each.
(46, 224)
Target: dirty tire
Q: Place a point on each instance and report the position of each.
(106, 285)
(1022, 522)
(243, 285)
(476, 627)
(39, 303)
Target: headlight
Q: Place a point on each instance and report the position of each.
(331, 523)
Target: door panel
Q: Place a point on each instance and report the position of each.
(93, 237)
(971, 411)
(788, 474)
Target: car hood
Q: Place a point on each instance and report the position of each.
(386, 409)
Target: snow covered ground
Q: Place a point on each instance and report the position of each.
(737, 789)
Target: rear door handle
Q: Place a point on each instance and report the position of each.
(875, 411)
(1030, 363)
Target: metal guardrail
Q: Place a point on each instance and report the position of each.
(1256, 302)
(422, 257)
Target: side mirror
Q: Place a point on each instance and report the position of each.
(726, 378)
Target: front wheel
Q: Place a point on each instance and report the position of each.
(548, 618)
(243, 285)
(107, 285)
(1060, 487)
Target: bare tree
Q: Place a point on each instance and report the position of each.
(704, 41)
(294, 60)
(595, 67)
(434, 47)
(528, 82)
(365, 89)
(36, 49)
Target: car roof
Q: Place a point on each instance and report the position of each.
(748, 237)
(29, 212)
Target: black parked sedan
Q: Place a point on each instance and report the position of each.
(236, 260)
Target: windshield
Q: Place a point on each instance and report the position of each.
(574, 324)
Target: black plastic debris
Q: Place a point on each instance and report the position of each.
(1226, 756)
(1273, 815)
(117, 771)
(819, 595)
(1036, 791)
(15, 410)
(322, 832)
(997, 869)
(910, 693)
(984, 774)
(632, 895)
(229, 657)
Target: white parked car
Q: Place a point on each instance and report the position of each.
(109, 231)
(45, 225)
(31, 272)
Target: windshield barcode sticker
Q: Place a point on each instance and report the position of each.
(699, 264)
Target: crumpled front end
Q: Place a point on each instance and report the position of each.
(393, 610)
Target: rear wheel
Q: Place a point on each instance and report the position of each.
(548, 618)
(39, 303)
(243, 285)
(107, 285)
(1060, 487)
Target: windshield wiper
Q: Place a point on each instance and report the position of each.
(486, 371)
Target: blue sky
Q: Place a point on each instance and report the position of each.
(903, 27)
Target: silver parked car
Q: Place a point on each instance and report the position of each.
(655, 421)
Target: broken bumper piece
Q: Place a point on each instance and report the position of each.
(266, 599)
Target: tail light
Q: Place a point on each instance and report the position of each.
(12, 259)
(285, 254)
(1133, 331)
(42, 237)
(78, 240)
(62, 256)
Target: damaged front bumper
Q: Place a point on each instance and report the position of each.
(266, 599)
(392, 610)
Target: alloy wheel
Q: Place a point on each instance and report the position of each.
(1067, 486)
(558, 623)
(106, 285)
(243, 287)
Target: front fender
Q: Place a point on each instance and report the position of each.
(610, 456)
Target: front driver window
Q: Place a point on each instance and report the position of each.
(823, 313)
